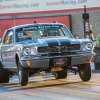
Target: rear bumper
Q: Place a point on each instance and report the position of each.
(47, 61)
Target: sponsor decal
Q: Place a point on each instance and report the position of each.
(18, 6)
(65, 2)
(86, 28)
(14, 6)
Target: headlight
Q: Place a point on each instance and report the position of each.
(88, 46)
(27, 51)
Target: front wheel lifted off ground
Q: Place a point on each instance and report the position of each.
(23, 74)
(85, 72)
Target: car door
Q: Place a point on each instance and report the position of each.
(6, 49)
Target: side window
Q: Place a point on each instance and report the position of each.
(8, 39)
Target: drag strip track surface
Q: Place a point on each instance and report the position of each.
(46, 87)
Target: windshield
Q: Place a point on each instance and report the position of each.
(41, 31)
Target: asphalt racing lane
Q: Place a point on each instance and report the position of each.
(46, 87)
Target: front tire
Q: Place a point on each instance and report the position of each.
(85, 72)
(4, 75)
(23, 74)
(61, 74)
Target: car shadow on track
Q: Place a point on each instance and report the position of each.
(41, 82)
(36, 83)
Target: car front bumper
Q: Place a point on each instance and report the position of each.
(47, 61)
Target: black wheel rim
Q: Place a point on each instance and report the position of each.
(20, 73)
(56, 75)
(82, 72)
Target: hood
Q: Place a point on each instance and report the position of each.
(52, 41)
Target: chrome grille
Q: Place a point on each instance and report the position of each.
(73, 47)
(42, 49)
(53, 49)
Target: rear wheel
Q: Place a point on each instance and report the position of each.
(4, 75)
(85, 72)
(60, 74)
(23, 74)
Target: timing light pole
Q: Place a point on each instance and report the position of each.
(86, 23)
